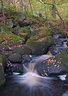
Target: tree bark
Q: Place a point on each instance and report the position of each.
(58, 14)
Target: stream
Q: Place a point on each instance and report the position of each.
(31, 83)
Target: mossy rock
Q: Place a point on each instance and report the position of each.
(54, 65)
(2, 79)
(26, 50)
(39, 47)
(15, 58)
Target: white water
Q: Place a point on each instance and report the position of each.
(31, 78)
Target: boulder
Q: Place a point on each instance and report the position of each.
(15, 58)
(26, 50)
(38, 47)
(55, 64)
(67, 78)
(17, 68)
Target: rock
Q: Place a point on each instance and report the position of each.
(57, 47)
(15, 58)
(26, 50)
(18, 50)
(55, 64)
(67, 78)
(2, 79)
(26, 59)
(39, 47)
(17, 68)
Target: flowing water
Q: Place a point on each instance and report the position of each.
(31, 83)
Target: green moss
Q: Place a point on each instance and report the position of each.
(10, 38)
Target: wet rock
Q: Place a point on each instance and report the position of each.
(57, 47)
(55, 64)
(26, 59)
(15, 58)
(67, 78)
(48, 67)
(17, 68)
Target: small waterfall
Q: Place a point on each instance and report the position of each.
(38, 85)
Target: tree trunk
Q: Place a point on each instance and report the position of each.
(58, 14)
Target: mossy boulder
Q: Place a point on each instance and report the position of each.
(26, 50)
(2, 79)
(15, 58)
(38, 47)
(55, 64)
